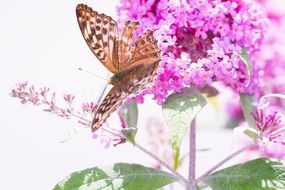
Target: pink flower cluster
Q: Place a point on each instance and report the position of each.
(27, 93)
(43, 97)
(271, 58)
(201, 41)
(271, 140)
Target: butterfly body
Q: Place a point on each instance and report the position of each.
(134, 64)
(126, 74)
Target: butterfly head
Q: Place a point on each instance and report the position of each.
(114, 80)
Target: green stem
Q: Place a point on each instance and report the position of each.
(192, 155)
(179, 176)
(207, 173)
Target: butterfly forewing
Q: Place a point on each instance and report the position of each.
(134, 67)
(100, 33)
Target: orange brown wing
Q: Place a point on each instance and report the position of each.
(109, 104)
(139, 77)
(100, 33)
(136, 77)
(124, 43)
(146, 50)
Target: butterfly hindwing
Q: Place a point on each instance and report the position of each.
(138, 78)
(109, 104)
(146, 50)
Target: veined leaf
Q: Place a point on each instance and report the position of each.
(120, 176)
(179, 110)
(130, 134)
(259, 174)
(129, 114)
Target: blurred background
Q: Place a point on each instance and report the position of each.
(40, 42)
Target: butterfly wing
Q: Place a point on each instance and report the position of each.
(100, 33)
(136, 79)
(124, 43)
(109, 104)
(146, 50)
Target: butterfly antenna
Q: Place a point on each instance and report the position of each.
(92, 74)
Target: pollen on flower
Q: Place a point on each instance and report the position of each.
(265, 141)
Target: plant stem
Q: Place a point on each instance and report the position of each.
(192, 155)
(179, 176)
(206, 174)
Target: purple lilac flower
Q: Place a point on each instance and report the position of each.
(271, 58)
(201, 41)
(269, 137)
(271, 140)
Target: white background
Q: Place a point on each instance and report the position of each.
(40, 42)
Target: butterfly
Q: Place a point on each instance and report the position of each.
(133, 66)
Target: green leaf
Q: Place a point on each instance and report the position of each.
(257, 174)
(120, 176)
(250, 132)
(179, 110)
(246, 104)
(129, 113)
(246, 60)
(130, 134)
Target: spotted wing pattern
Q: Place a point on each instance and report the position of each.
(100, 33)
(124, 44)
(146, 50)
(134, 67)
(109, 104)
(139, 78)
